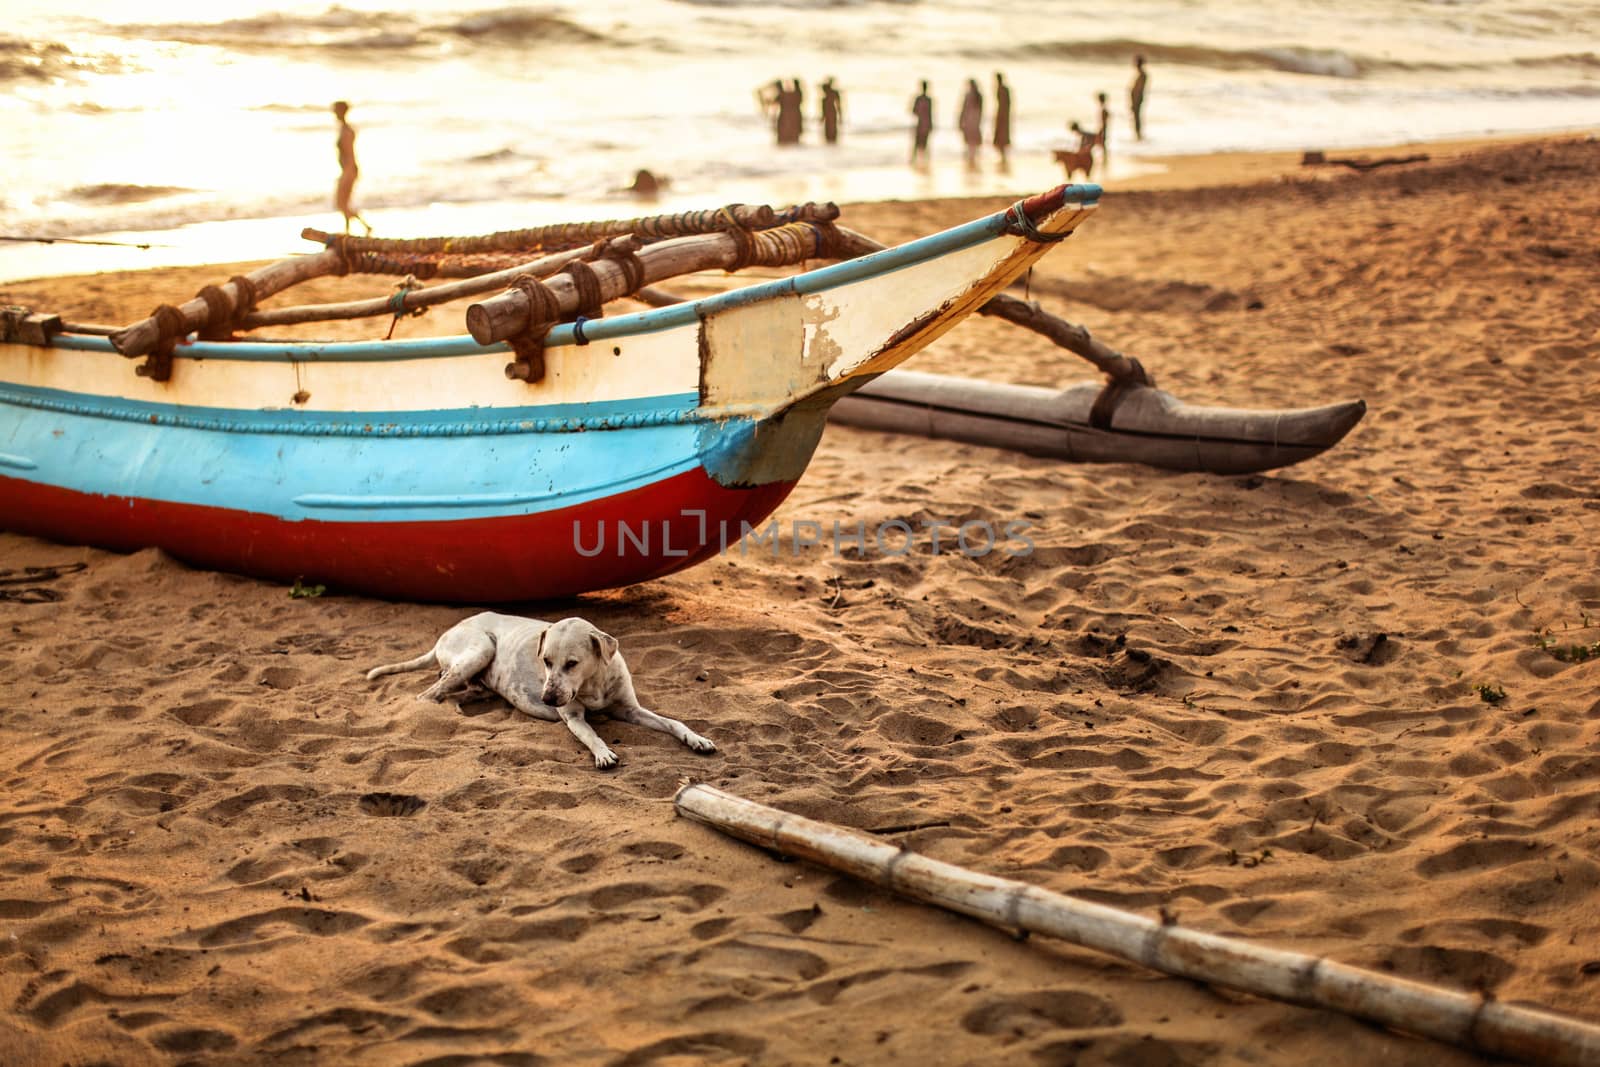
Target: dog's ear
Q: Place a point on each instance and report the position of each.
(538, 652)
(605, 646)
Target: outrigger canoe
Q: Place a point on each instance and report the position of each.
(607, 451)
(1097, 422)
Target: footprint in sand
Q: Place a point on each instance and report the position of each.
(1030, 1015)
(701, 1048)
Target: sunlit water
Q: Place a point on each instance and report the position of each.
(214, 136)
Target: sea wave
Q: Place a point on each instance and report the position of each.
(522, 25)
(48, 61)
(1288, 58)
(1586, 60)
(266, 31)
(346, 30)
(118, 193)
(814, 5)
(1292, 59)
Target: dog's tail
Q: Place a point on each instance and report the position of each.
(427, 659)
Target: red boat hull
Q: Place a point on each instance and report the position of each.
(598, 545)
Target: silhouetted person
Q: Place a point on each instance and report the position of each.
(971, 121)
(790, 118)
(832, 111)
(781, 104)
(347, 167)
(1002, 116)
(1136, 96)
(768, 97)
(922, 112)
(1104, 135)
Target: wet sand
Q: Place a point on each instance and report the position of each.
(1340, 708)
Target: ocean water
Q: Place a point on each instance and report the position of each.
(210, 137)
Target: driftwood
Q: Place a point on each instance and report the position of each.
(1313, 159)
(142, 337)
(415, 299)
(507, 314)
(1469, 1020)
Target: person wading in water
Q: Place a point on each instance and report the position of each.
(922, 113)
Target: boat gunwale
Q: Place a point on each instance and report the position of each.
(1083, 196)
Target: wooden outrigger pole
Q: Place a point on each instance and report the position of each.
(1471, 1021)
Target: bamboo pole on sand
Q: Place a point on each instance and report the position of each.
(1470, 1021)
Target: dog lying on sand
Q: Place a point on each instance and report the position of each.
(552, 671)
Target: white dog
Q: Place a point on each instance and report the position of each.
(580, 668)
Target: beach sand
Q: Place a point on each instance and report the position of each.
(1267, 706)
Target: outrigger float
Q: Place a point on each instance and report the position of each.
(475, 468)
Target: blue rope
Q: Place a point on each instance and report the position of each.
(577, 330)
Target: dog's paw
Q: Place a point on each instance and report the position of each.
(697, 743)
(605, 760)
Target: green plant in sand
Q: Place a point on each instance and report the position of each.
(1572, 652)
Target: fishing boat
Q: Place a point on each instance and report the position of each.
(605, 450)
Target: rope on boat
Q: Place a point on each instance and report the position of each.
(246, 300)
(170, 326)
(514, 312)
(544, 311)
(219, 314)
(744, 246)
(1020, 224)
(544, 307)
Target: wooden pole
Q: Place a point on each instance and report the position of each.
(140, 338)
(413, 299)
(506, 314)
(1468, 1020)
(565, 235)
(1069, 335)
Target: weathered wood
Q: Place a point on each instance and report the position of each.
(414, 299)
(141, 337)
(1068, 335)
(506, 314)
(1311, 159)
(1137, 424)
(28, 327)
(569, 234)
(1469, 1020)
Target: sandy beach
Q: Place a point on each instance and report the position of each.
(1349, 708)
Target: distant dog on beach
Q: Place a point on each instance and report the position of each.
(1076, 159)
(552, 671)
